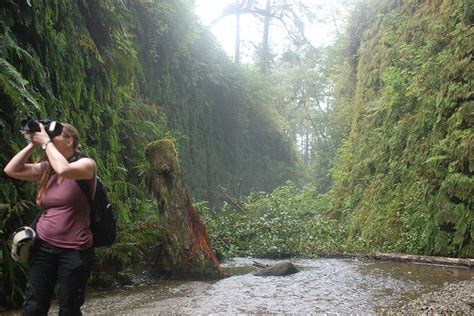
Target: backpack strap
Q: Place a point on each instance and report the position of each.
(82, 183)
(85, 189)
(35, 221)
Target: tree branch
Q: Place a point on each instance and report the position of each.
(237, 10)
(232, 201)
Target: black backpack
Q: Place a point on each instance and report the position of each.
(103, 220)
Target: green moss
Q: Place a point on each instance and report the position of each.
(404, 173)
(127, 73)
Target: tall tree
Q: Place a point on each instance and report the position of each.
(266, 29)
(290, 14)
(306, 78)
(237, 39)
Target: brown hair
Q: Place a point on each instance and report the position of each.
(68, 131)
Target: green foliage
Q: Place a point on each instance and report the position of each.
(304, 79)
(288, 222)
(404, 179)
(136, 244)
(126, 73)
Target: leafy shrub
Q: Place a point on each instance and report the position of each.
(288, 222)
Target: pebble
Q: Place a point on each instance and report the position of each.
(455, 298)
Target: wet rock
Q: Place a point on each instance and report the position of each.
(279, 269)
(124, 279)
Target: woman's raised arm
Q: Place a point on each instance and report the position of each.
(17, 167)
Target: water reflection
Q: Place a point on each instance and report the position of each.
(427, 274)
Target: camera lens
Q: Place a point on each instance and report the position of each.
(29, 125)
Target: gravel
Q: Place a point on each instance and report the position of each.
(453, 298)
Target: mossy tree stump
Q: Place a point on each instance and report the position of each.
(186, 251)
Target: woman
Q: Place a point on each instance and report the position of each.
(63, 249)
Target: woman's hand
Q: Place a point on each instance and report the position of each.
(39, 138)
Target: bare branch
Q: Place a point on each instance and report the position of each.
(233, 10)
(234, 202)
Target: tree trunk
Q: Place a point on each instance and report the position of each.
(306, 148)
(186, 251)
(237, 39)
(265, 45)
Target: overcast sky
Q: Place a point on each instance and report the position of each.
(252, 28)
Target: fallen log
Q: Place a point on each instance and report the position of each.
(464, 262)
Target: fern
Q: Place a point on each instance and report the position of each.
(14, 86)
(460, 186)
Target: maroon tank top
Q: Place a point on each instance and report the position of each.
(65, 221)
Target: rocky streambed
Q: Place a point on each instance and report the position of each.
(453, 298)
(343, 286)
(339, 286)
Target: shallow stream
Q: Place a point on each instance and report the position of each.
(321, 286)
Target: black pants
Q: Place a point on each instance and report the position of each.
(49, 264)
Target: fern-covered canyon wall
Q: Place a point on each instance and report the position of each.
(130, 72)
(404, 179)
(127, 73)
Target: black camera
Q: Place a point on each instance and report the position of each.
(53, 128)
